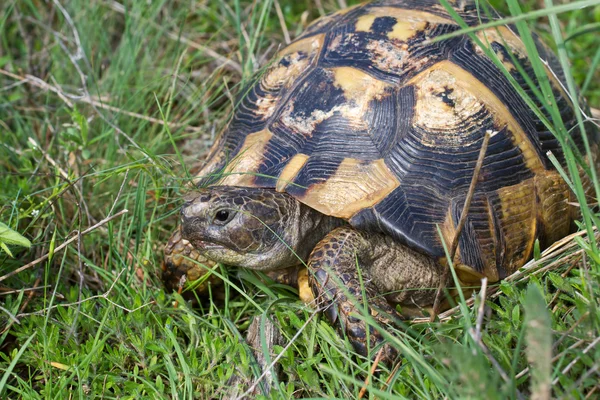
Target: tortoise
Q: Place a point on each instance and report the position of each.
(352, 153)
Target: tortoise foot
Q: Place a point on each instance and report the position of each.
(184, 268)
(337, 287)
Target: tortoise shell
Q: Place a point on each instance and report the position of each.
(365, 118)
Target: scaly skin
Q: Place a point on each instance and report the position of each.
(177, 264)
(261, 229)
(390, 272)
(269, 231)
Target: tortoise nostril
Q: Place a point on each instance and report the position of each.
(194, 206)
(187, 212)
(190, 226)
(190, 210)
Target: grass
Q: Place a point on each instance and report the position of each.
(105, 109)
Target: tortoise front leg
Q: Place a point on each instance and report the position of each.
(389, 270)
(180, 260)
(334, 278)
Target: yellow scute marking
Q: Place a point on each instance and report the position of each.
(357, 85)
(466, 273)
(279, 75)
(446, 71)
(409, 22)
(438, 117)
(355, 185)
(448, 229)
(242, 169)
(403, 16)
(404, 30)
(364, 22)
(359, 89)
(554, 212)
(506, 37)
(307, 45)
(290, 171)
(503, 35)
(519, 222)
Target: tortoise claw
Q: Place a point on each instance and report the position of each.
(342, 311)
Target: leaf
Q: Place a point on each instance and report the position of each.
(11, 237)
(516, 316)
(560, 282)
(538, 338)
(6, 249)
(537, 253)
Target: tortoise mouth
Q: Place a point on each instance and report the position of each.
(192, 232)
(200, 244)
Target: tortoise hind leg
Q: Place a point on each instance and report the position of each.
(387, 268)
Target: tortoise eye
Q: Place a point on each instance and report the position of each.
(222, 216)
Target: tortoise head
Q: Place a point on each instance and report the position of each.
(247, 227)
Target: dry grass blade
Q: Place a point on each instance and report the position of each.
(120, 8)
(286, 34)
(6, 291)
(71, 99)
(391, 376)
(572, 363)
(12, 318)
(62, 246)
(479, 323)
(363, 390)
(104, 296)
(561, 252)
(23, 306)
(37, 82)
(465, 211)
(463, 219)
(557, 342)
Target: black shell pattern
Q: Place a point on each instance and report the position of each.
(366, 119)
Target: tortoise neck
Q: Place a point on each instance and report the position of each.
(303, 229)
(312, 226)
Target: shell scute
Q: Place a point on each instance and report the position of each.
(389, 43)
